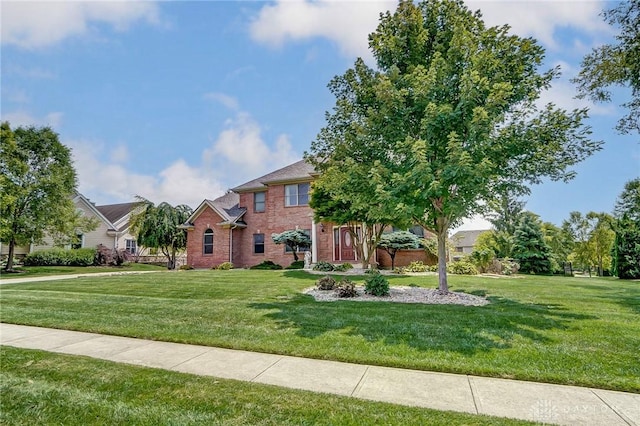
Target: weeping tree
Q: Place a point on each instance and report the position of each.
(450, 111)
(157, 227)
(294, 239)
(395, 241)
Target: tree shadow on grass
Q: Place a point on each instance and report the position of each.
(628, 297)
(462, 329)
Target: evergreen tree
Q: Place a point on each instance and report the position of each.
(530, 248)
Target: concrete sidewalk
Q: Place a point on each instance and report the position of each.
(566, 405)
(19, 280)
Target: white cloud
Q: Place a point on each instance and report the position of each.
(23, 118)
(226, 100)
(346, 23)
(41, 24)
(106, 181)
(241, 152)
(541, 19)
(120, 154)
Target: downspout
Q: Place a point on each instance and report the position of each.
(231, 243)
(314, 245)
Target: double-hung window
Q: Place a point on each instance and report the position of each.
(258, 243)
(131, 247)
(207, 242)
(259, 201)
(296, 195)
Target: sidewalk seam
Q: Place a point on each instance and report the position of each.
(473, 393)
(621, 415)
(173, 367)
(267, 368)
(360, 382)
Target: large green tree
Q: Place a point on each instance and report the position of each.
(37, 183)
(157, 227)
(347, 195)
(448, 114)
(626, 247)
(529, 246)
(616, 64)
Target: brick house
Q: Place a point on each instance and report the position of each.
(237, 227)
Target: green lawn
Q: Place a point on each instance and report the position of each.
(562, 330)
(46, 388)
(42, 271)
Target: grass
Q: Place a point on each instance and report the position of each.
(575, 331)
(43, 271)
(46, 388)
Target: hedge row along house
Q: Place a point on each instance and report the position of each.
(237, 227)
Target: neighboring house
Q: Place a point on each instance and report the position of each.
(237, 227)
(462, 243)
(112, 230)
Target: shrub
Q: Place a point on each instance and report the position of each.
(61, 257)
(323, 266)
(110, 257)
(346, 288)
(224, 266)
(326, 283)
(376, 284)
(297, 264)
(416, 266)
(267, 265)
(344, 267)
(185, 267)
(462, 268)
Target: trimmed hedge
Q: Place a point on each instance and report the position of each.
(61, 257)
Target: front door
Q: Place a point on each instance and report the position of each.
(346, 245)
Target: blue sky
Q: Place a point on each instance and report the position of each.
(179, 101)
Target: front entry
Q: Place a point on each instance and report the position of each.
(343, 249)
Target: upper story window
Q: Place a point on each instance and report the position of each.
(131, 246)
(207, 242)
(296, 195)
(259, 201)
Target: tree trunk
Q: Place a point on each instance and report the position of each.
(393, 260)
(295, 255)
(442, 228)
(12, 247)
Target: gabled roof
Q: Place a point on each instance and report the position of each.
(299, 171)
(115, 212)
(227, 207)
(467, 238)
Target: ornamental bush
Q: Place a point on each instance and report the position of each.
(323, 266)
(376, 284)
(326, 283)
(296, 264)
(224, 266)
(343, 267)
(346, 288)
(267, 265)
(61, 257)
(462, 268)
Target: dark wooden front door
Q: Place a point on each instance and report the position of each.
(346, 245)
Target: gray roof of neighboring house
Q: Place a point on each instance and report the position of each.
(466, 238)
(114, 212)
(300, 170)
